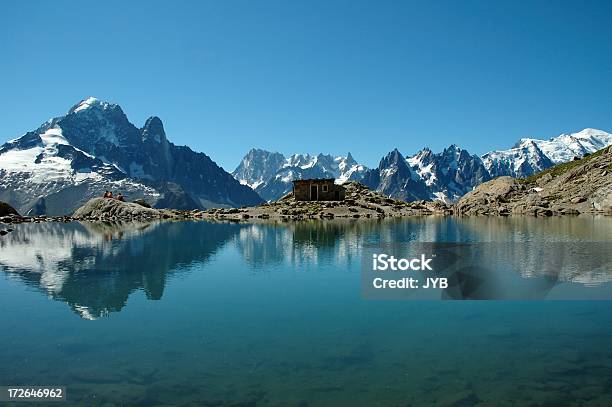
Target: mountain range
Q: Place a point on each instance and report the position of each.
(57, 167)
(72, 158)
(530, 156)
(444, 176)
(270, 174)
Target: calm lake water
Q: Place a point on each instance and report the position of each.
(205, 314)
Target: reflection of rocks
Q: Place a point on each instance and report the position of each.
(567, 249)
(95, 266)
(307, 242)
(337, 242)
(497, 251)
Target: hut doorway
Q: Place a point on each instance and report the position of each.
(314, 193)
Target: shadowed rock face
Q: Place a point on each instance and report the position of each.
(581, 186)
(6, 209)
(444, 176)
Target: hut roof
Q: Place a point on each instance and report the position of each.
(314, 179)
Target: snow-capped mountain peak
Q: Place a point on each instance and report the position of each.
(92, 103)
(349, 169)
(94, 148)
(270, 174)
(448, 174)
(84, 104)
(529, 155)
(445, 176)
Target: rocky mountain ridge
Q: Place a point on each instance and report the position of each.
(270, 174)
(444, 176)
(530, 156)
(72, 158)
(578, 186)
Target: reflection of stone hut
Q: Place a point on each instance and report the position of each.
(317, 190)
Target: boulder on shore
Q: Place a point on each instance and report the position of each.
(142, 202)
(112, 208)
(489, 198)
(6, 209)
(579, 186)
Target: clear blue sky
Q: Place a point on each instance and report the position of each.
(314, 76)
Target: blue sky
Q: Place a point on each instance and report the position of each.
(315, 76)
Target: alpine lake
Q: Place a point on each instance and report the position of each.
(239, 314)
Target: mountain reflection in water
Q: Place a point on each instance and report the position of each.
(94, 267)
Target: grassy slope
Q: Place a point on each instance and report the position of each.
(561, 169)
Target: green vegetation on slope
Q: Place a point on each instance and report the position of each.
(561, 169)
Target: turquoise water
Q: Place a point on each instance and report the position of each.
(209, 314)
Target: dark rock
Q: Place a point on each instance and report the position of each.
(174, 196)
(39, 208)
(543, 212)
(6, 209)
(142, 202)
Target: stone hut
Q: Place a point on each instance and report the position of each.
(322, 189)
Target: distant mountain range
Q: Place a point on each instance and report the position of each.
(270, 174)
(444, 176)
(70, 159)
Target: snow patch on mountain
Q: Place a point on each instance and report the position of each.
(444, 176)
(42, 161)
(270, 174)
(530, 156)
(85, 104)
(72, 158)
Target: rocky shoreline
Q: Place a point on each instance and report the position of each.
(98, 210)
(360, 203)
